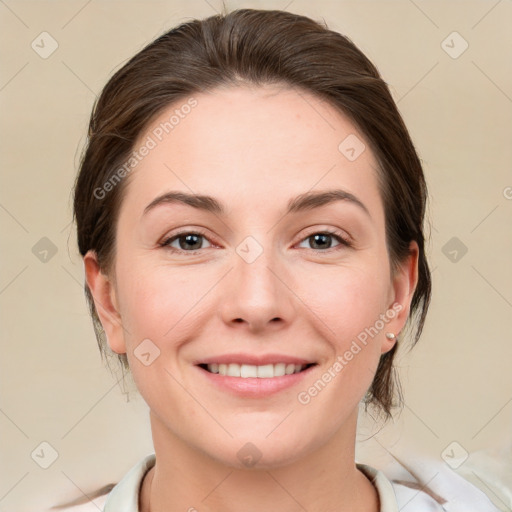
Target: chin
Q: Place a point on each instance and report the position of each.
(261, 453)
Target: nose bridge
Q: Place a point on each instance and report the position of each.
(256, 292)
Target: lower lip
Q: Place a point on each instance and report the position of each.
(253, 387)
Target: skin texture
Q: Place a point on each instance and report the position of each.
(253, 149)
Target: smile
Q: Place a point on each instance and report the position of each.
(244, 371)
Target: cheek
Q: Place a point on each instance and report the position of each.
(157, 301)
(347, 300)
(348, 304)
(161, 308)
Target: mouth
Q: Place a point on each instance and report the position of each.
(255, 376)
(246, 371)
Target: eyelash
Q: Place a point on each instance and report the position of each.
(343, 241)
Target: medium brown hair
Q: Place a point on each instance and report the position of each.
(258, 47)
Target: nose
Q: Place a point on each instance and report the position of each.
(257, 295)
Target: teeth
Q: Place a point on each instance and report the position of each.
(244, 371)
(290, 368)
(233, 370)
(279, 369)
(247, 370)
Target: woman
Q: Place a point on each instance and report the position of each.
(249, 209)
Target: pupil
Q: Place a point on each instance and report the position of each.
(190, 242)
(322, 238)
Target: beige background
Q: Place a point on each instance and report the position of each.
(54, 389)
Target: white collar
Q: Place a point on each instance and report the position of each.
(124, 497)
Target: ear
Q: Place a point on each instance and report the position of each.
(104, 295)
(404, 283)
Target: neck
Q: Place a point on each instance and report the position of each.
(184, 479)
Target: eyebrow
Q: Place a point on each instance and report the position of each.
(303, 202)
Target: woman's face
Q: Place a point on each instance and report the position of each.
(285, 265)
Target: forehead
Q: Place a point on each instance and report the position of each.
(257, 141)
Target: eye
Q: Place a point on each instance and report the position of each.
(190, 241)
(186, 241)
(324, 239)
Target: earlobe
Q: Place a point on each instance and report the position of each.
(389, 342)
(103, 292)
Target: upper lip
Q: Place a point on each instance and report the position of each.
(255, 360)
